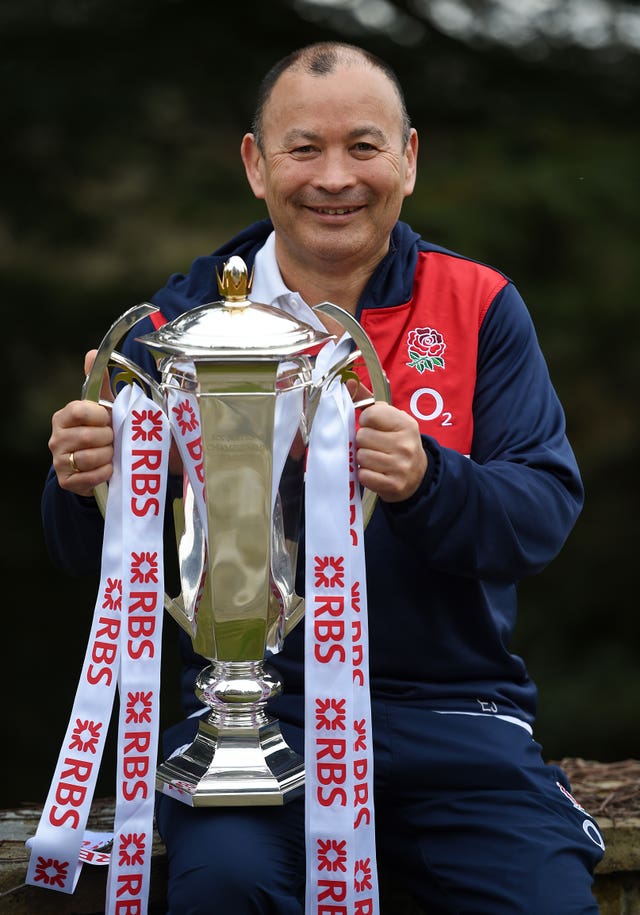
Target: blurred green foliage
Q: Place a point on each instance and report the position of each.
(119, 164)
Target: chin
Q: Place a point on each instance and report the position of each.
(337, 248)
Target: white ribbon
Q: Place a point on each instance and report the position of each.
(339, 812)
(144, 462)
(184, 417)
(124, 647)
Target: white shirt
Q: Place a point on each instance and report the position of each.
(268, 287)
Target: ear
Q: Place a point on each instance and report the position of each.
(411, 162)
(253, 164)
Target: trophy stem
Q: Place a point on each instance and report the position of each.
(239, 756)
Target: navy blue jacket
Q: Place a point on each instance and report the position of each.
(443, 566)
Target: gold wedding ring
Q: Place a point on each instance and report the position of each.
(74, 466)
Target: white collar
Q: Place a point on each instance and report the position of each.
(269, 288)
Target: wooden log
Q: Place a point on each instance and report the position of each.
(16, 826)
(609, 791)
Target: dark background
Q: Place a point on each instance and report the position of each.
(119, 164)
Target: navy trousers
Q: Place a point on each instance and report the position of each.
(469, 820)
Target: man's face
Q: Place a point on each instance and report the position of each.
(333, 171)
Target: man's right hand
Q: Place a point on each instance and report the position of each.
(82, 441)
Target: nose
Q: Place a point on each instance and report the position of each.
(334, 171)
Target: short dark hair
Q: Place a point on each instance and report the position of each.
(320, 59)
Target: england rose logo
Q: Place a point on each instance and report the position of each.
(426, 348)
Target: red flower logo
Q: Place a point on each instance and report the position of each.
(51, 872)
(139, 707)
(146, 425)
(329, 571)
(185, 417)
(360, 728)
(113, 594)
(332, 855)
(363, 875)
(144, 568)
(426, 348)
(131, 849)
(330, 714)
(85, 736)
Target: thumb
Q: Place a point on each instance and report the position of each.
(360, 394)
(89, 359)
(105, 389)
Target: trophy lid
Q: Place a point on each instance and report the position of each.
(235, 328)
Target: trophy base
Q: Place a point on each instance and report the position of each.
(234, 767)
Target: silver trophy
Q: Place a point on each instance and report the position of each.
(249, 368)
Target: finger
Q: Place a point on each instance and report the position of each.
(82, 415)
(70, 460)
(357, 390)
(398, 447)
(89, 461)
(385, 418)
(106, 393)
(89, 359)
(392, 480)
(84, 480)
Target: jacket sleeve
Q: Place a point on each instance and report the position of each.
(73, 529)
(505, 512)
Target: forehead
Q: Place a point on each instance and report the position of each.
(351, 96)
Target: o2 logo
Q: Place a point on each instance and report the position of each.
(594, 833)
(427, 404)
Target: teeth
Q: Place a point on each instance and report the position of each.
(339, 212)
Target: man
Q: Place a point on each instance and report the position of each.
(477, 486)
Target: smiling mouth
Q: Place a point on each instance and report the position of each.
(335, 211)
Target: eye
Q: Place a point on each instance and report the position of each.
(303, 152)
(364, 150)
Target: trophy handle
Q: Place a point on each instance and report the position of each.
(381, 392)
(108, 356)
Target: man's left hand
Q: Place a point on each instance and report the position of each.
(391, 459)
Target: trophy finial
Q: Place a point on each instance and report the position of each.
(235, 283)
